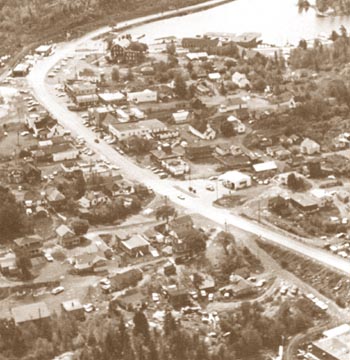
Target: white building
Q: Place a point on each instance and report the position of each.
(266, 166)
(123, 131)
(235, 180)
(240, 80)
(309, 147)
(142, 96)
(237, 124)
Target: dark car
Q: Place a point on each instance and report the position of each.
(97, 140)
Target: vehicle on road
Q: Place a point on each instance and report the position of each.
(210, 187)
(48, 257)
(181, 197)
(97, 141)
(88, 307)
(163, 175)
(57, 290)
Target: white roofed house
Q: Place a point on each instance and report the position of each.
(208, 134)
(237, 124)
(309, 147)
(235, 180)
(265, 167)
(66, 236)
(181, 116)
(137, 245)
(240, 80)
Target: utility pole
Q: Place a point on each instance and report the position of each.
(217, 189)
(259, 211)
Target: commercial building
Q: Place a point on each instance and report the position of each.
(116, 98)
(144, 96)
(141, 128)
(21, 70)
(335, 344)
(44, 50)
(235, 180)
(29, 246)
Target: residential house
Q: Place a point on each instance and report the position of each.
(137, 245)
(43, 126)
(169, 269)
(90, 263)
(125, 50)
(55, 198)
(28, 246)
(208, 134)
(33, 199)
(235, 180)
(198, 152)
(126, 278)
(164, 153)
(181, 117)
(237, 124)
(240, 80)
(92, 199)
(309, 147)
(30, 313)
(74, 308)
(66, 236)
(8, 264)
(239, 287)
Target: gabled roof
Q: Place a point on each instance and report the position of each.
(54, 195)
(135, 241)
(64, 230)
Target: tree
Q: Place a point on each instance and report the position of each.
(227, 129)
(180, 86)
(141, 326)
(303, 44)
(80, 226)
(115, 74)
(164, 212)
(171, 49)
(130, 75)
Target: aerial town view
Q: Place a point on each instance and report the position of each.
(174, 180)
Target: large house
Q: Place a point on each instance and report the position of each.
(66, 237)
(42, 125)
(125, 50)
(137, 245)
(126, 278)
(309, 147)
(28, 246)
(240, 80)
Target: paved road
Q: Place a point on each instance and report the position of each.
(200, 204)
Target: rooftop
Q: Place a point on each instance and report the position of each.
(266, 166)
(30, 312)
(135, 241)
(71, 305)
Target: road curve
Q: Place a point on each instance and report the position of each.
(71, 121)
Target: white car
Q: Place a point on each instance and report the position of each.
(181, 197)
(88, 307)
(105, 281)
(57, 290)
(48, 257)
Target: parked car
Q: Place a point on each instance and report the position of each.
(57, 290)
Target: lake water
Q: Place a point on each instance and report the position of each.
(279, 22)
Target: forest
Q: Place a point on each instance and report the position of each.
(27, 22)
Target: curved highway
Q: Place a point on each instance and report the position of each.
(199, 204)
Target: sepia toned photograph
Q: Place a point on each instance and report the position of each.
(175, 180)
